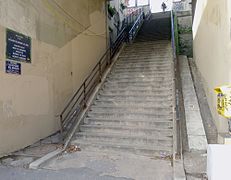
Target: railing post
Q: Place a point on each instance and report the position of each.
(84, 95)
(61, 126)
(100, 72)
(61, 123)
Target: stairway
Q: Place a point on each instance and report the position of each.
(157, 27)
(133, 109)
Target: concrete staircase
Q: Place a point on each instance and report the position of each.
(157, 27)
(133, 111)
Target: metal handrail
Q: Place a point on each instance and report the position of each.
(135, 28)
(177, 123)
(173, 34)
(78, 101)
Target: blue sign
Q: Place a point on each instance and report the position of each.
(18, 46)
(13, 67)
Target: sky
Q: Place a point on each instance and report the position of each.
(155, 4)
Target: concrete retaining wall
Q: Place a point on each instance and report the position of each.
(68, 38)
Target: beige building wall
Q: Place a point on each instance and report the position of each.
(212, 49)
(68, 38)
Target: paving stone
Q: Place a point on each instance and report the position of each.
(56, 138)
(197, 143)
(22, 162)
(7, 161)
(46, 140)
(195, 163)
(194, 123)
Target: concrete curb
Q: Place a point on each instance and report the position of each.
(179, 172)
(36, 164)
(39, 162)
(196, 136)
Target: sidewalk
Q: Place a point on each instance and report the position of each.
(24, 157)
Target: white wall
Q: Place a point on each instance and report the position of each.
(212, 50)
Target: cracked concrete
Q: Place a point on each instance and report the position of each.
(116, 165)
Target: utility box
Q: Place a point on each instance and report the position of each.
(224, 101)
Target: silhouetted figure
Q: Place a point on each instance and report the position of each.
(163, 6)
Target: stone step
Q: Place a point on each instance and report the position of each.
(107, 146)
(142, 68)
(135, 73)
(153, 44)
(140, 75)
(135, 91)
(140, 83)
(140, 79)
(143, 63)
(139, 61)
(141, 86)
(147, 61)
(163, 79)
(148, 44)
(128, 116)
(164, 124)
(165, 143)
(135, 103)
(138, 86)
(141, 110)
(161, 101)
(146, 53)
(151, 49)
(143, 45)
(133, 56)
(128, 130)
(135, 94)
(150, 53)
(134, 97)
(144, 59)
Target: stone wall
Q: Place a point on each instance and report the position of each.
(184, 19)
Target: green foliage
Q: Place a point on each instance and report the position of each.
(185, 30)
(123, 6)
(176, 35)
(111, 10)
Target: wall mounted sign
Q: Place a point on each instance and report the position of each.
(18, 46)
(13, 67)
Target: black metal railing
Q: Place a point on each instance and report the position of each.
(173, 34)
(135, 28)
(78, 102)
(178, 128)
(132, 17)
(121, 37)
